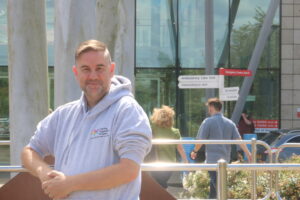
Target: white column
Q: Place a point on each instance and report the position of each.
(28, 71)
(116, 28)
(75, 22)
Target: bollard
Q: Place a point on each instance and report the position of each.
(222, 180)
(254, 179)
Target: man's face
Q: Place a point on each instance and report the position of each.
(93, 73)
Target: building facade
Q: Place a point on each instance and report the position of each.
(171, 40)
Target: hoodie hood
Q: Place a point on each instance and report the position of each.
(120, 87)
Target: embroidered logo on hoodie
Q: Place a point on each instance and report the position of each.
(99, 132)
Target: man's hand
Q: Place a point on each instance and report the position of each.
(193, 155)
(58, 186)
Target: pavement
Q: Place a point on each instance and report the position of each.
(4, 177)
(4, 160)
(175, 185)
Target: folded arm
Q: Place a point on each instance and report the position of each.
(61, 185)
(35, 164)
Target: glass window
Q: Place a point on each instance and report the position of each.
(51, 86)
(155, 88)
(247, 25)
(3, 33)
(154, 34)
(264, 91)
(294, 140)
(4, 111)
(192, 31)
(180, 25)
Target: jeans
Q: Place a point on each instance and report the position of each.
(213, 184)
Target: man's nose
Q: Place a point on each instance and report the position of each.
(93, 75)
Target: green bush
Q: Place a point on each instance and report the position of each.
(239, 184)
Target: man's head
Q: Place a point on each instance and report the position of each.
(214, 105)
(93, 70)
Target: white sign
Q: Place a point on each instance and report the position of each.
(198, 85)
(198, 78)
(229, 90)
(229, 97)
(198, 81)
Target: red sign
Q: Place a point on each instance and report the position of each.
(266, 124)
(234, 72)
(298, 112)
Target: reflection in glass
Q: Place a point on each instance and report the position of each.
(154, 36)
(155, 88)
(170, 41)
(264, 91)
(245, 32)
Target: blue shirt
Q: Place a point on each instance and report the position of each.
(217, 127)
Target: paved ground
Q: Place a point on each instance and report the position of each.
(175, 185)
(4, 177)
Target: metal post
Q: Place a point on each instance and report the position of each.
(253, 173)
(209, 43)
(222, 180)
(253, 65)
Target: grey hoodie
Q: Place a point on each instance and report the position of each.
(84, 140)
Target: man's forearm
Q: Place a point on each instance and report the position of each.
(197, 147)
(106, 178)
(35, 164)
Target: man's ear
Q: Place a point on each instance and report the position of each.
(112, 67)
(74, 69)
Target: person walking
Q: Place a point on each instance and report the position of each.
(217, 127)
(162, 121)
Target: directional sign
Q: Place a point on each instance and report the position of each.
(229, 97)
(235, 72)
(198, 78)
(192, 85)
(229, 90)
(201, 81)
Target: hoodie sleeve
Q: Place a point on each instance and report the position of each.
(133, 134)
(43, 140)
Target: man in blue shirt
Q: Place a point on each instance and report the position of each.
(217, 127)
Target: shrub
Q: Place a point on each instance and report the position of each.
(239, 184)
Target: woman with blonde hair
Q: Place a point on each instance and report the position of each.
(162, 121)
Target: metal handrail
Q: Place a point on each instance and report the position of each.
(253, 143)
(222, 167)
(4, 142)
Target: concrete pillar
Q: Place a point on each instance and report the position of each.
(116, 27)
(28, 72)
(75, 22)
(290, 63)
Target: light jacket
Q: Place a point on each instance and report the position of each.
(85, 140)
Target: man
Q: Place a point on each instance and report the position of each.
(246, 124)
(217, 127)
(98, 141)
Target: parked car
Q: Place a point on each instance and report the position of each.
(277, 138)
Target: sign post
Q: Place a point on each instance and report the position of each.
(214, 81)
